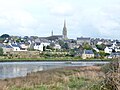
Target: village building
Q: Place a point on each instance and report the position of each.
(83, 40)
(88, 54)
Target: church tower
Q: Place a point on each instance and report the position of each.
(65, 31)
(52, 33)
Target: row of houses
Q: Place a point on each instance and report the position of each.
(114, 47)
(38, 43)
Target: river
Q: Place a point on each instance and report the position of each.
(20, 69)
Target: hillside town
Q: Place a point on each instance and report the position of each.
(58, 46)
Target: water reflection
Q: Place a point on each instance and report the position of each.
(18, 69)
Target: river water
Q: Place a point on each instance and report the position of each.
(20, 69)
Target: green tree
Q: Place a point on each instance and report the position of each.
(61, 42)
(101, 47)
(49, 47)
(1, 51)
(52, 44)
(103, 54)
(5, 36)
(87, 46)
(65, 46)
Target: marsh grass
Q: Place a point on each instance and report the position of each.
(69, 78)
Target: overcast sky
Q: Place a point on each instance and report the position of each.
(90, 18)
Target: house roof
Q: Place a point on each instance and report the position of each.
(16, 45)
(88, 52)
(118, 43)
(83, 38)
(109, 45)
(37, 40)
(1, 45)
(54, 37)
(37, 43)
(116, 53)
(8, 46)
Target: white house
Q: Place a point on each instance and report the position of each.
(7, 49)
(88, 54)
(15, 47)
(108, 50)
(117, 49)
(99, 42)
(18, 47)
(24, 47)
(57, 46)
(39, 46)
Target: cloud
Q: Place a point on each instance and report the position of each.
(17, 21)
(100, 19)
(63, 9)
(38, 17)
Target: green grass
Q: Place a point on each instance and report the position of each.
(74, 83)
(48, 58)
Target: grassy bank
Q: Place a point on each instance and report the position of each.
(69, 78)
(51, 59)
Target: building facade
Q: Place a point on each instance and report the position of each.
(88, 54)
(83, 40)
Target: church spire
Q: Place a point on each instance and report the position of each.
(65, 30)
(64, 23)
(52, 33)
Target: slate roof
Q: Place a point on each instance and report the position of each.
(37, 40)
(88, 52)
(83, 38)
(37, 43)
(8, 46)
(1, 45)
(118, 54)
(16, 45)
(54, 37)
(118, 43)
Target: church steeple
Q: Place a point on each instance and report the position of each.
(65, 30)
(64, 23)
(52, 33)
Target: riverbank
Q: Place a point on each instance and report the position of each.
(66, 61)
(49, 59)
(68, 78)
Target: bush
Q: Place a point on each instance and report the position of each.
(76, 82)
(1, 52)
(111, 80)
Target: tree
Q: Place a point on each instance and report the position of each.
(87, 46)
(5, 36)
(101, 47)
(1, 51)
(52, 44)
(49, 47)
(103, 54)
(61, 43)
(65, 46)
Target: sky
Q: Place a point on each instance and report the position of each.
(87, 18)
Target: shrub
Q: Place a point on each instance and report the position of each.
(76, 82)
(1, 52)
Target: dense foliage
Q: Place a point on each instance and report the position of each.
(4, 36)
(1, 52)
(101, 47)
